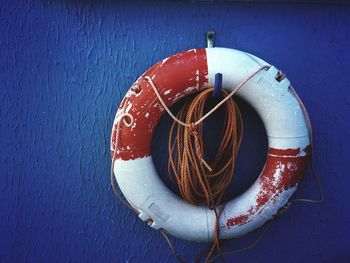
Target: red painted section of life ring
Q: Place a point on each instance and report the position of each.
(283, 169)
(175, 77)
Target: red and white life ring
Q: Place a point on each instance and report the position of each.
(176, 77)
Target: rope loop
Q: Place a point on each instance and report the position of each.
(127, 121)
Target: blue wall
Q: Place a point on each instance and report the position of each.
(64, 68)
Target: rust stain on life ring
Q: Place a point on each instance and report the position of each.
(175, 77)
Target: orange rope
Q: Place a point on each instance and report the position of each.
(203, 181)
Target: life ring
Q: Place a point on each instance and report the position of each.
(176, 77)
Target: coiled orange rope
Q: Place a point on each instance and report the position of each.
(202, 181)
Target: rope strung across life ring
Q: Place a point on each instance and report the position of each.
(286, 122)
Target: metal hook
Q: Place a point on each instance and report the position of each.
(210, 39)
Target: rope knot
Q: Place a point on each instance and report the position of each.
(193, 129)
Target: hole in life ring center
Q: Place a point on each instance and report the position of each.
(251, 155)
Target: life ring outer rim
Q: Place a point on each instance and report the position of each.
(288, 163)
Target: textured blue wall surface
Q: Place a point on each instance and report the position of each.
(64, 68)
